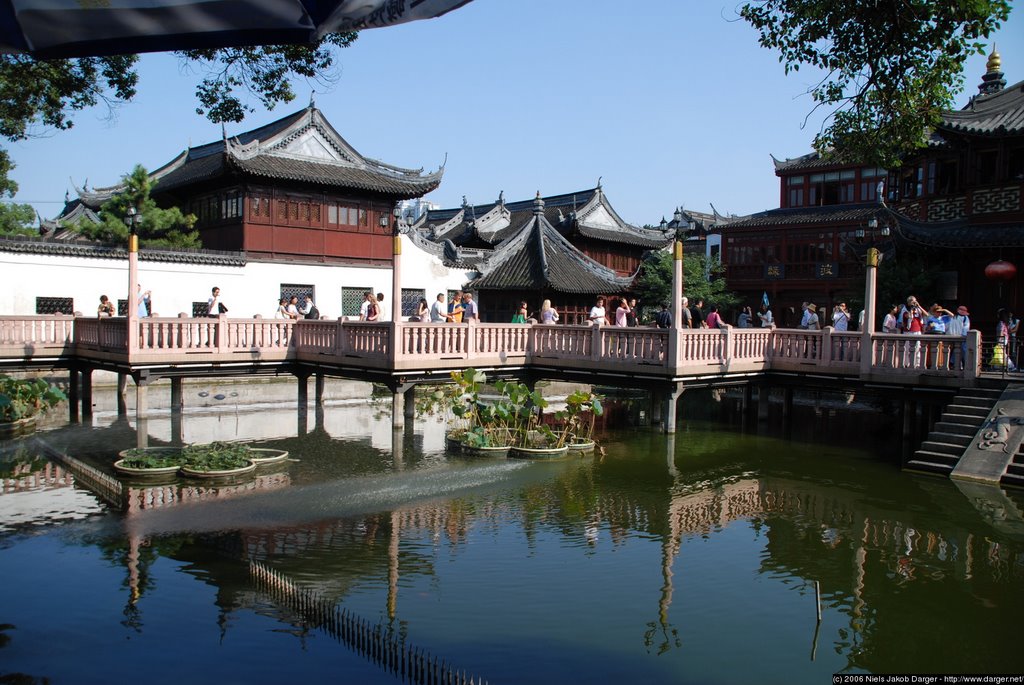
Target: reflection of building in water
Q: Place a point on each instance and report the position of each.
(139, 498)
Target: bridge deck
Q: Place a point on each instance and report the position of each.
(194, 346)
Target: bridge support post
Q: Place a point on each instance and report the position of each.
(671, 404)
(397, 410)
(87, 395)
(657, 407)
(141, 398)
(177, 404)
(302, 402)
(909, 411)
(73, 399)
(409, 402)
(763, 401)
(318, 390)
(122, 389)
(787, 408)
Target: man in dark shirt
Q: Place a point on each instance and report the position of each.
(697, 314)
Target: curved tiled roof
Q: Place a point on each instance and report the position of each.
(808, 215)
(336, 175)
(961, 234)
(539, 257)
(999, 113)
(149, 254)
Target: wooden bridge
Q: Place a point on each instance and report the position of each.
(403, 354)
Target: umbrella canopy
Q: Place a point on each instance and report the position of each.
(77, 28)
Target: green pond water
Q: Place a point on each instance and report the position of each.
(691, 558)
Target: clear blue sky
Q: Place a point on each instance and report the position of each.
(671, 103)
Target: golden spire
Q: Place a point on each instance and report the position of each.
(995, 62)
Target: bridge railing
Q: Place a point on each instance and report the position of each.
(443, 346)
(41, 335)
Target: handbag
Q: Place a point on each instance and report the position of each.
(221, 308)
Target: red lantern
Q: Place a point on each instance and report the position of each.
(1000, 270)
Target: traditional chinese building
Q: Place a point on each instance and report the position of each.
(291, 190)
(958, 202)
(568, 248)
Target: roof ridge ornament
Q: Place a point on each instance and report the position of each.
(993, 80)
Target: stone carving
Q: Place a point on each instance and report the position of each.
(995, 436)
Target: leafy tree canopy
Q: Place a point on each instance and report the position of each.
(891, 66)
(156, 227)
(703, 278)
(38, 95)
(15, 219)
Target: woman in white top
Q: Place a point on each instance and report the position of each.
(889, 322)
(548, 314)
(282, 309)
(597, 313)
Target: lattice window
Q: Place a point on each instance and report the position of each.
(55, 305)
(352, 300)
(410, 300)
(298, 290)
(122, 307)
(198, 308)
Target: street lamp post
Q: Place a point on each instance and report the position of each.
(132, 219)
(396, 259)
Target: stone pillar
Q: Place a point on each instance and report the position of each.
(867, 353)
(657, 407)
(302, 404)
(73, 399)
(909, 411)
(132, 319)
(670, 407)
(318, 390)
(410, 403)
(141, 398)
(397, 410)
(763, 401)
(787, 405)
(676, 331)
(177, 404)
(122, 389)
(87, 395)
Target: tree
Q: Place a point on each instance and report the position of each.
(40, 95)
(891, 66)
(703, 279)
(15, 219)
(156, 227)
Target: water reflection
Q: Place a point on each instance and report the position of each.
(692, 548)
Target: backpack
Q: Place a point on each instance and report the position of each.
(314, 313)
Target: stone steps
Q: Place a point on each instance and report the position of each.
(954, 431)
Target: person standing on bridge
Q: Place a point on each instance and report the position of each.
(684, 313)
(622, 313)
(548, 314)
(439, 310)
(214, 307)
(765, 316)
(697, 314)
(455, 309)
(106, 307)
(470, 311)
(597, 313)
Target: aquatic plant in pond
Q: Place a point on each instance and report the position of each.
(581, 409)
(26, 398)
(216, 456)
(141, 458)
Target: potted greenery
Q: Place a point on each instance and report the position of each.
(22, 400)
(149, 461)
(532, 439)
(581, 409)
(217, 460)
(484, 430)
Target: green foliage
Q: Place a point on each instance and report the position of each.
(654, 284)
(15, 219)
(216, 456)
(262, 70)
(141, 458)
(21, 462)
(156, 227)
(25, 398)
(581, 409)
(890, 67)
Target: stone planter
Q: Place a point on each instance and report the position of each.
(452, 444)
(263, 456)
(502, 452)
(539, 452)
(162, 471)
(582, 445)
(225, 473)
(17, 428)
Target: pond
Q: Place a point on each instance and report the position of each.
(694, 558)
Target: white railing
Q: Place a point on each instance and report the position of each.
(442, 346)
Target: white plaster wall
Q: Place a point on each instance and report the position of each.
(246, 291)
